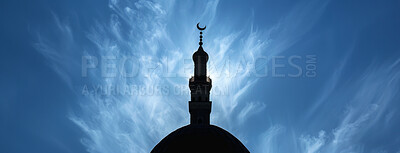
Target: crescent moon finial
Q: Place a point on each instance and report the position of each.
(198, 27)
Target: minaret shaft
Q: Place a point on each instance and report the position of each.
(200, 86)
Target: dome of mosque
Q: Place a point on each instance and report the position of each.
(200, 139)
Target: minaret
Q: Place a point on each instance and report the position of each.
(200, 86)
(200, 135)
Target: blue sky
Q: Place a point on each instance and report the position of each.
(112, 76)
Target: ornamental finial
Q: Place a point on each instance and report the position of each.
(201, 33)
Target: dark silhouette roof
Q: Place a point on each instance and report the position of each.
(200, 139)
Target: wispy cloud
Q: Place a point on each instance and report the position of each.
(365, 104)
(269, 140)
(372, 94)
(313, 144)
(147, 31)
(135, 123)
(60, 51)
(249, 110)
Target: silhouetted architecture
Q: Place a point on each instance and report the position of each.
(199, 136)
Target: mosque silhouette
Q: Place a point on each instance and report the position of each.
(199, 136)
